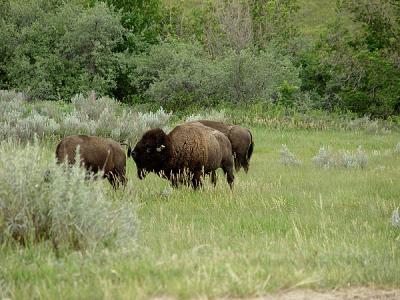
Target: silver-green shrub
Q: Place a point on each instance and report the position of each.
(74, 123)
(22, 120)
(288, 158)
(397, 148)
(324, 158)
(395, 218)
(34, 124)
(346, 159)
(93, 107)
(357, 159)
(41, 201)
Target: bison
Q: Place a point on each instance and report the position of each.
(96, 154)
(241, 140)
(189, 151)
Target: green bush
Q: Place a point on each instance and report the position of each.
(57, 51)
(142, 21)
(252, 75)
(179, 74)
(355, 66)
(40, 201)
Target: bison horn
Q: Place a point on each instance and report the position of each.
(159, 149)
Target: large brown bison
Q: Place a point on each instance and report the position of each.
(189, 151)
(241, 140)
(96, 154)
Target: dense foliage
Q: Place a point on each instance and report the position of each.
(217, 52)
(356, 65)
(174, 74)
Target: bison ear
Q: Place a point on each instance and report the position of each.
(160, 148)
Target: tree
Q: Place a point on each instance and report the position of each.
(356, 64)
(56, 51)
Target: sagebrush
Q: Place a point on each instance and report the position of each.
(91, 115)
(42, 201)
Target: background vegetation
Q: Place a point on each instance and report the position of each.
(297, 54)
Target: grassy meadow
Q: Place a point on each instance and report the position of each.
(313, 15)
(283, 227)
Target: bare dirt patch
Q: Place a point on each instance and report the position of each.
(362, 293)
(346, 294)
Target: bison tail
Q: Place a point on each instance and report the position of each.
(251, 147)
(58, 157)
(246, 163)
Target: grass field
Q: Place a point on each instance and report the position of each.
(312, 17)
(283, 227)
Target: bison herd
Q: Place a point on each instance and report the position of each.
(184, 156)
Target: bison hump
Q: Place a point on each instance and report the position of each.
(192, 144)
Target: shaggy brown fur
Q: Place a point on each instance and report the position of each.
(192, 150)
(240, 138)
(97, 154)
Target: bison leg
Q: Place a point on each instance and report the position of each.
(117, 178)
(238, 164)
(214, 178)
(246, 165)
(228, 170)
(122, 179)
(174, 180)
(112, 180)
(196, 179)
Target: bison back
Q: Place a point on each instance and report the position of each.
(224, 128)
(195, 147)
(95, 153)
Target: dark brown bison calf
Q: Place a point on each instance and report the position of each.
(240, 138)
(188, 152)
(96, 154)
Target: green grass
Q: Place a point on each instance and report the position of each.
(282, 227)
(313, 15)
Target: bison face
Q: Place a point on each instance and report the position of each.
(151, 152)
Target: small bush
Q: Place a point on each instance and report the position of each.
(42, 201)
(358, 159)
(288, 158)
(397, 148)
(347, 159)
(35, 124)
(324, 158)
(396, 218)
(75, 124)
(92, 106)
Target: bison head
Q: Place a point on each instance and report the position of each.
(151, 152)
